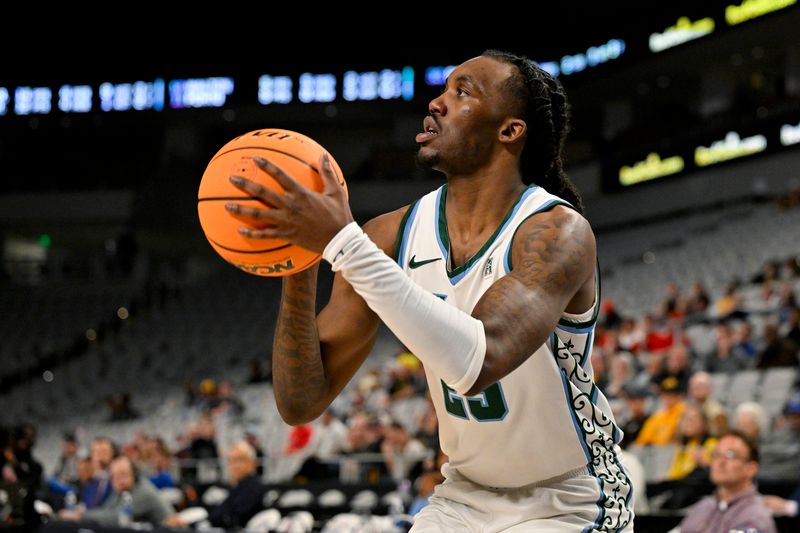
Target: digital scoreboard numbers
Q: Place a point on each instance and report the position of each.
(4, 98)
(384, 85)
(75, 98)
(436, 76)
(32, 100)
(136, 96)
(275, 90)
(317, 87)
(200, 92)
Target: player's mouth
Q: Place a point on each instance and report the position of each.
(430, 130)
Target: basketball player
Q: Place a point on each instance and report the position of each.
(492, 281)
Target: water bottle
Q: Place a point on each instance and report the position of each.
(70, 501)
(125, 515)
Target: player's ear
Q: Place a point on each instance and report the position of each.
(511, 130)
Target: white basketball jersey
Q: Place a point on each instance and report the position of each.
(545, 418)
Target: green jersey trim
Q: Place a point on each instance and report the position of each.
(402, 233)
(444, 239)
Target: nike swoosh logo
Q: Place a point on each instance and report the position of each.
(416, 264)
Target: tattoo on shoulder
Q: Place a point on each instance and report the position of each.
(554, 249)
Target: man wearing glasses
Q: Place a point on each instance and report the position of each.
(735, 505)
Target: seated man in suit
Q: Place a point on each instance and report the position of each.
(246, 495)
(147, 505)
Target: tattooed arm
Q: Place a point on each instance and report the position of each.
(553, 256)
(314, 358)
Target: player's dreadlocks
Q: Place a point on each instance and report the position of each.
(546, 112)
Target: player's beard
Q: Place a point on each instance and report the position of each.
(427, 159)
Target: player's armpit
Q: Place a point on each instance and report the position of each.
(553, 255)
(309, 380)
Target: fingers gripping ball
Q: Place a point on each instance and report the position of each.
(295, 154)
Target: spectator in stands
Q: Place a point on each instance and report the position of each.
(729, 306)
(355, 405)
(206, 395)
(698, 304)
(427, 481)
(256, 374)
(148, 505)
(658, 335)
(791, 268)
(365, 434)
(695, 444)
(19, 467)
(735, 505)
(204, 437)
(793, 327)
(251, 438)
(331, 435)
(401, 452)
(198, 443)
(779, 351)
(120, 406)
(701, 393)
(770, 272)
(376, 398)
(653, 365)
(87, 484)
(787, 303)
(67, 469)
(630, 338)
(612, 319)
(724, 360)
(161, 465)
(744, 349)
(621, 371)
(660, 428)
(674, 307)
(599, 365)
(103, 451)
(139, 450)
(751, 419)
(328, 442)
(428, 426)
(227, 401)
(636, 412)
(781, 452)
(245, 497)
(768, 299)
(404, 382)
(676, 366)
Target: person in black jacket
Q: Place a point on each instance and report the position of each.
(246, 495)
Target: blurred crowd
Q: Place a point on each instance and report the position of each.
(383, 429)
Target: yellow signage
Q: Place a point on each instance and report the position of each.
(651, 168)
(750, 9)
(731, 147)
(684, 30)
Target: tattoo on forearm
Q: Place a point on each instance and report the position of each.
(298, 373)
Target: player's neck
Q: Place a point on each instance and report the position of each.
(479, 201)
(481, 198)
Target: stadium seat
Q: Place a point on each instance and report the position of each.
(264, 521)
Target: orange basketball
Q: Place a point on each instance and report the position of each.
(293, 152)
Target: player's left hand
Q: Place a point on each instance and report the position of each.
(301, 216)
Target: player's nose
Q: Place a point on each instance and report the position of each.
(437, 106)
